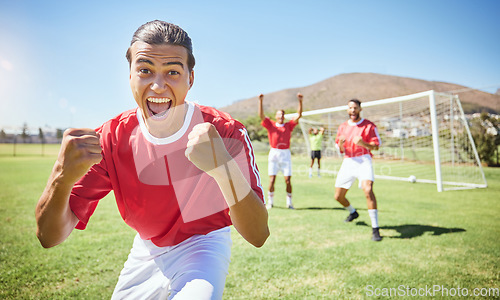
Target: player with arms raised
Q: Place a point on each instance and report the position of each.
(356, 138)
(181, 174)
(280, 158)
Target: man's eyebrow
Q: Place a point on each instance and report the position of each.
(147, 61)
(174, 63)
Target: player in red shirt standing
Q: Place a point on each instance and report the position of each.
(280, 158)
(181, 174)
(356, 138)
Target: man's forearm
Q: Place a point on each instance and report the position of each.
(248, 213)
(55, 220)
(369, 146)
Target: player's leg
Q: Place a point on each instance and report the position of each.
(319, 163)
(286, 168)
(141, 278)
(288, 183)
(367, 179)
(340, 197)
(272, 170)
(343, 182)
(272, 180)
(371, 200)
(199, 266)
(270, 202)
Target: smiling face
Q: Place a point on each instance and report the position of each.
(160, 80)
(353, 109)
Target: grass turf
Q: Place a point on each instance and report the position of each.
(448, 239)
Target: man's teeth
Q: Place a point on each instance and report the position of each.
(159, 100)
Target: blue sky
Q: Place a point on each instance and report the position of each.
(62, 63)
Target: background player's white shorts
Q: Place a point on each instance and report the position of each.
(359, 167)
(194, 269)
(279, 160)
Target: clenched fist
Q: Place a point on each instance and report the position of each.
(80, 150)
(205, 148)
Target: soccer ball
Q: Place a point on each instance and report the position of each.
(412, 179)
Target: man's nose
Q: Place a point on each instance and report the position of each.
(159, 85)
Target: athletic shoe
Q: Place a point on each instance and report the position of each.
(310, 175)
(269, 205)
(351, 217)
(290, 206)
(376, 235)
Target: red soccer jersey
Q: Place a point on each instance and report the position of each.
(364, 128)
(158, 191)
(279, 135)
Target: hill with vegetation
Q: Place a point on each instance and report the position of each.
(336, 90)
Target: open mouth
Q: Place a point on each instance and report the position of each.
(158, 107)
(354, 117)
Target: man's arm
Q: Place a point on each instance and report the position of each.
(247, 211)
(358, 140)
(261, 110)
(340, 143)
(299, 108)
(80, 149)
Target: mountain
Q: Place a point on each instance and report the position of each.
(337, 90)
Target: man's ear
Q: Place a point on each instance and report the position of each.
(191, 79)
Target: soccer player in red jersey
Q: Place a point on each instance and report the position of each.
(280, 158)
(356, 138)
(181, 174)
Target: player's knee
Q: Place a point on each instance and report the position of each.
(368, 190)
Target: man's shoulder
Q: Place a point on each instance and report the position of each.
(367, 122)
(220, 119)
(126, 118)
(266, 120)
(211, 112)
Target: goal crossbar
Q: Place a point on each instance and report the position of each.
(366, 104)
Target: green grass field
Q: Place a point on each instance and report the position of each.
(448, 240)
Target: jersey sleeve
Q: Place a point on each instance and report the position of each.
(373, 136)
(292, 124)
(266, 123)
(240, 147)
(87, 192)
(340, 132)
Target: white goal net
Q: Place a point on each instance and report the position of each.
(425, 138)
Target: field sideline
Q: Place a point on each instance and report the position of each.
(446, 240)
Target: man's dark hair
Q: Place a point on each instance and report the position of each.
(355, 101)
(160, 32)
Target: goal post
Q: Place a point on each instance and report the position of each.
(424, 136)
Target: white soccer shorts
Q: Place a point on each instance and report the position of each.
(194, 269)
(353, 168)
(279, 160)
